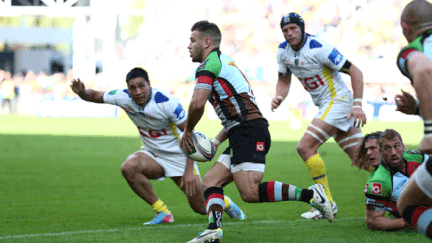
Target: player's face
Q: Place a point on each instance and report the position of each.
(196, 46)
(140, 90)
(373, 152)
(292, 34)
(392, 151)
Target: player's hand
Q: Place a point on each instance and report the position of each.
(77, 86)
(189, 181)
(186, 141)
(276, 102)
(425, 145)
(359, 116)
(406, 103)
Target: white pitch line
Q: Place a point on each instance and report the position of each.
(158, 226)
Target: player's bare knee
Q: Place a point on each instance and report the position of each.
(301, 149)
(305, 151)
(128, 168)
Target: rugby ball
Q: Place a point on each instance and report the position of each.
(202, 150)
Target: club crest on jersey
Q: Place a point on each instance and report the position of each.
(260, 146)
(335, 57)
(202, 65)
(376, 188)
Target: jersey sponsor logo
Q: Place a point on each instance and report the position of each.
(376, 188)
(335, 57)
(312, 83)
(202, 65)
(366, 188)
(260, 146)
(375, 203)
(112, 92)
(152, 133)
(180, 112)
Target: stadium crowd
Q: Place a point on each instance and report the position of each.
(366, 31)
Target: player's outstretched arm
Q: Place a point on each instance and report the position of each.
(195, 112)
(91, 95)
(420, 70)
(357, 86)
(376, 220)
(282, 88)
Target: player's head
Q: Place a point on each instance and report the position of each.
(293, 29)
(416, 17)
(368, 153)
(391, 147)
(139, 86)
(205, 37)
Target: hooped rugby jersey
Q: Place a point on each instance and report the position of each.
(232, 96)
(156, 121)
(385, 183)
(316, 65)
(422, 43)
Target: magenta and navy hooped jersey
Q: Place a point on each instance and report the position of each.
(232, 96)
(316, 65)
(156, 121)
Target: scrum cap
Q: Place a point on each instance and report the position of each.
(293, 18)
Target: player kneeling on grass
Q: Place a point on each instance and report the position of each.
(387, 178)
(160, 118)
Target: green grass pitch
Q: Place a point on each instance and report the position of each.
(60, 181)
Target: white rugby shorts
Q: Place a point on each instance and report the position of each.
(174, 165)
(335, 113)
(225, 159)
(423, 178)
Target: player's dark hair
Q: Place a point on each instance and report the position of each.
(361, 156)
(137, 72)
(210, 30)
(388, 134)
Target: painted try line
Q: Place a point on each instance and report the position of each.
(160, 226)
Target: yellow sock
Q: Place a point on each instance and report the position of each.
(318, 172)
(160, 206)
(227, 202)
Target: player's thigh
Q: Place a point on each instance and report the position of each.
(316, 134)
(219, 174)
(418, 190)
(350, 140)
(412, 195)
(247, 182)
(145, 163)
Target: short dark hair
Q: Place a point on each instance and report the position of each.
(388, 134)
(209, 30)
(137, 72)
(361, 157)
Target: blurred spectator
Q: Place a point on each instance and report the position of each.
(8, 93)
